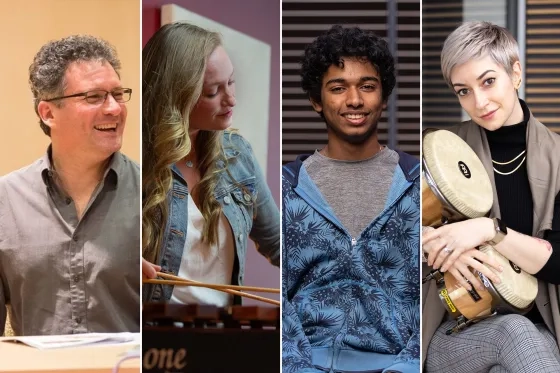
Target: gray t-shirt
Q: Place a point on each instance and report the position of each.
(355, 190)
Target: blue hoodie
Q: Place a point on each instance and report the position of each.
(350, 305)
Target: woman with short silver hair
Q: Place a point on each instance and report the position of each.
(480, 62)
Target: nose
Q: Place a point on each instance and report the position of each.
(481, 100)
(111, 106)
(229, 98)
(354, 98)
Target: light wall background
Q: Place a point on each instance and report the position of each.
(25, 26)
(251, 61)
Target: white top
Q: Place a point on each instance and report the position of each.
(201, 262)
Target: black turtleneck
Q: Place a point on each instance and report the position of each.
(514, 193)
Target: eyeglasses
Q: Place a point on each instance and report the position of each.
(99, 96)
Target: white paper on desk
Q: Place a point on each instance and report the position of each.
(44, 342)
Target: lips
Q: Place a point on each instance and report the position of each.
(107, 127)
(489, 115)
(355, 117)
(226, 114)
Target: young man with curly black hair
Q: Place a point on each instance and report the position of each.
(350, 268)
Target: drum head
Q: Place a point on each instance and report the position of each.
(517, 287)
(457, 172)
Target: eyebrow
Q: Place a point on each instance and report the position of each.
(479, 77)
(342, 81)
(218, 83)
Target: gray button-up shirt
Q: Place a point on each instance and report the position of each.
(62, 274)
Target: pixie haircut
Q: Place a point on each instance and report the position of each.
(473, 40)
(336, 44)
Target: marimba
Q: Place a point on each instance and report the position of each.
(208, 339)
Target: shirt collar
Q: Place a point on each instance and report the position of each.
(111, 173)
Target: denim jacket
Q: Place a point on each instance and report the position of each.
(246, 203)
(350, 304)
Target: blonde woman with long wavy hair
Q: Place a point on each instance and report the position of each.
(203, 191)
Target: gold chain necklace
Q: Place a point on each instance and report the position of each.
(506, 163)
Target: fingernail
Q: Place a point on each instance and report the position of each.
(443, 269)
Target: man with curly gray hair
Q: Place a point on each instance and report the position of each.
(69, 222)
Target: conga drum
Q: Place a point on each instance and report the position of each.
(455, 185)
(514, 294)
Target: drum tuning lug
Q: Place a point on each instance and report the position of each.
(434, 275)
(462, 324)
(427, 278)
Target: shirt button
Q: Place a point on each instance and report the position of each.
(68, 201)
(247, 197)
(75, 238)
(78, 320)
(354, 241)
(240, 236)
(227, 200)
(76, 278)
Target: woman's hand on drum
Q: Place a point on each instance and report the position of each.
(447, 243)
(473, 258)
(149, 269)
